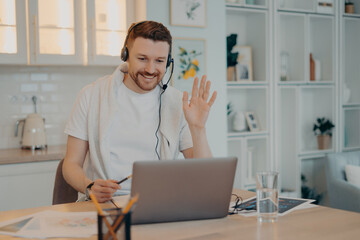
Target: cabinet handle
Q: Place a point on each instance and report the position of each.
(35, 36)
(93, 38)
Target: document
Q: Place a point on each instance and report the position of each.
(50, 224)
(286, 205)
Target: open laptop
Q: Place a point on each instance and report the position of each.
(179, 190)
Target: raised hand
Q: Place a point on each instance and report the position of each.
(197, 111)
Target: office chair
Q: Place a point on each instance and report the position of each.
(63, 192)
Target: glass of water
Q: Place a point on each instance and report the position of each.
(267, 196)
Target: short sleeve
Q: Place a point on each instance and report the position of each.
(77, 124)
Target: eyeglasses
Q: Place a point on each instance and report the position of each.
(240, 206)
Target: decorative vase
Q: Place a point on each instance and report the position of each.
(238, 122)
(323, 141)
(231, 73)
(312, 68)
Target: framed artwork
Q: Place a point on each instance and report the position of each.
(189, 62)
(244, 70)
(252, 121)
(190, 13)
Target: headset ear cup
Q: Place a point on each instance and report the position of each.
(124, 54)
(169, 60)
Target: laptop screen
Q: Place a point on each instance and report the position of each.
(179, 190)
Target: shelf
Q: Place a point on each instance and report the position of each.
(237, 135)
(351, 15)
(249, 85)
(315, 153)
(305, 12)
(350, 149)
(351, 106)
(235, 6)
(303, 83)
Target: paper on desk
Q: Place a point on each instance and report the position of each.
(286, 205)
(49, 224)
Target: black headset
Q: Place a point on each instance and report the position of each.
(125, 52)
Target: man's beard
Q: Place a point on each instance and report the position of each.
(146, 86)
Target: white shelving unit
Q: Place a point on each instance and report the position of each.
(251, 23)
(350, 77)
(300, 31)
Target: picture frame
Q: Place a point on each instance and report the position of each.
(252, 121)
(188, 13)
(189, 62)
(244, 68)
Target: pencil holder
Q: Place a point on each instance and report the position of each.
(114, 225)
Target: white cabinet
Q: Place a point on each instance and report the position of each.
(251, 23)
(65, 32)
(13, 32)
(27, 185)
(107, 26)
(55, 32)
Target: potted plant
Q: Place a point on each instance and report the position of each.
(231, 57)
(323, 130)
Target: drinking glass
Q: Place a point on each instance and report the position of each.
(267, 199)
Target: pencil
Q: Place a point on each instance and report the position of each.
(126, 210)
(97, 205)
(123, 180)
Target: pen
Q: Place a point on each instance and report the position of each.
(123, 180)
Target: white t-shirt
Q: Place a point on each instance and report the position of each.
(132, 137)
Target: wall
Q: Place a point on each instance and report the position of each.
(214, 33)
(56, 89)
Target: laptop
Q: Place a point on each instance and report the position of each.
(180, 190)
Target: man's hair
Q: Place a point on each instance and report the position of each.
(150, 30)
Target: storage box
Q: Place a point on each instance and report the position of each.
(325, 6)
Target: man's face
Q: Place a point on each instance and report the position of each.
(147, 64)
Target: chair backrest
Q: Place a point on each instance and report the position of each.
(63, 192)
(336, 164)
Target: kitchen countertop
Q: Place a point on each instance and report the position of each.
(18, 155)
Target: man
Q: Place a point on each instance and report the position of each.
(131, 115)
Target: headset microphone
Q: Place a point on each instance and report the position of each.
(172, 70)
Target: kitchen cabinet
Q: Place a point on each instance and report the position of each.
(65, 32)
(107, 26)
(27, 185)
(13, 44)
(55, 32)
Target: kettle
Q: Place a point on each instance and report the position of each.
(33, 131)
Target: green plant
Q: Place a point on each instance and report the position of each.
(231, 57)
(323, 126)
(229, 108)
(309, 193)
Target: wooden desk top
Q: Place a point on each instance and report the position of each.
(313, 223)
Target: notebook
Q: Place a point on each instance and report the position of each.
(180, 190)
